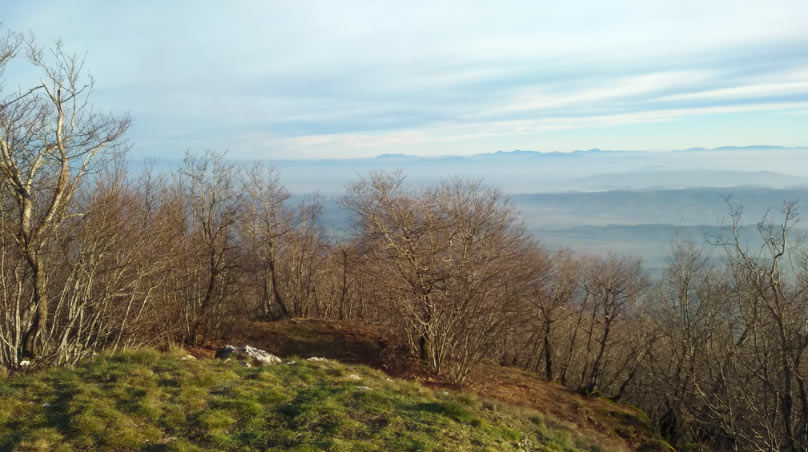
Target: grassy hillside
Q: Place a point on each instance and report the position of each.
(151, 401)
(610, 425)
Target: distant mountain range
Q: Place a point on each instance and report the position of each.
(532, 153)
(530, 171)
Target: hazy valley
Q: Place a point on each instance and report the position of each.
(629, 202)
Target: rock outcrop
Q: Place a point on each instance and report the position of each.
(247, 355)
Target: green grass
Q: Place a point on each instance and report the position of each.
(149, 401)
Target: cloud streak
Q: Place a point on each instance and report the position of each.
(328, 79)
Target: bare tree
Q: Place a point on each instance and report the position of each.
(612, 287)
(337, 291)
(50, 139)
(284, 246)
(212, 208)
(449, 256)
(554, 287)
(729, 369)
(773, 306)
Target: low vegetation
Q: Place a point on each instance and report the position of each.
(149, 401)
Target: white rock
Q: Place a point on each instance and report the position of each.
(248, 353)
(261, 355)
(188, 357)
(363, 388)
(317, 359)
(25, 363)
(354, 377)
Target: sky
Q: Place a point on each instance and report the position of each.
(345, 79)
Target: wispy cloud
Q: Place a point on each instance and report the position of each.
(762, 90)
(280, 79)
(313, 145)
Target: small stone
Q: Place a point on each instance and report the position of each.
(363, 388)
(354, 377)
(25, 363)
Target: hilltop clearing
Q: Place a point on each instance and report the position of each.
(149, 401)
(601, 421)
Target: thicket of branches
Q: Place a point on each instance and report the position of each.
(93, 258)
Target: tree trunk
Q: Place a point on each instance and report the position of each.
(548, 354)
(34, 339)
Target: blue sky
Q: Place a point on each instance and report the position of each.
(304, 79)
